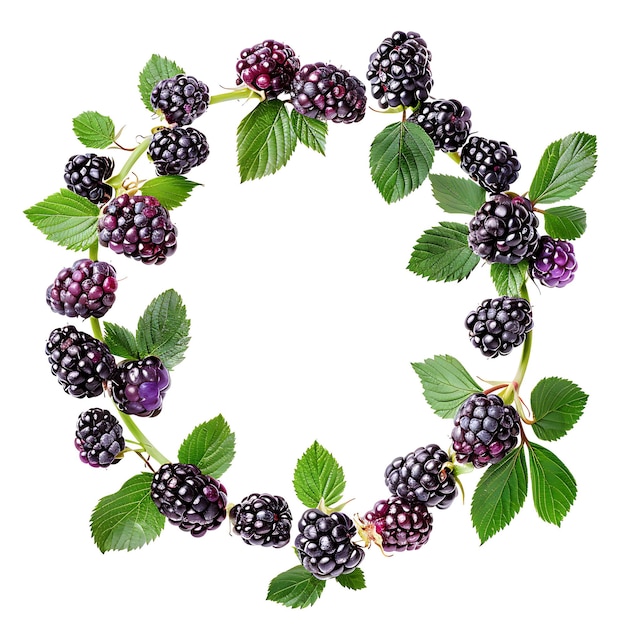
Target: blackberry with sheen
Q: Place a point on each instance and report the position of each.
(446, 122)
(492, 164)
(99, 438)
(180, 99)
(176, 151)
(554, 263)
(261, 519)
(85, 175)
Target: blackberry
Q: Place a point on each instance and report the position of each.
(499, 324)
(138, 387)
(80, 362)
(85, 175)
(262, 520)
(268, 67)
(180, 99)
(504, 230)
(399, 71)
(485, 429)
(492, 164)
(193, 501)
(177, 150)
(324, 544)
(424, 475)
(138, 227)
(87, 289)
(325, 92)
(553, 264)
(446, 122)
(99, 438)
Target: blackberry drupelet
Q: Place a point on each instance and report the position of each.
(446, 122)
(85, 175)
(99, 438)
(492, 164)
(180, 99)
(554, 263)
(261, 519)
(177, 150)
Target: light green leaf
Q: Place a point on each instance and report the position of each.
(310, 132)
(509, 279)
(318, 477)
(157, 68)
(170, 191)
(94, 130)
(565, 222)
(457, 195)
(355, 580)
(296, 588)
(121, 341)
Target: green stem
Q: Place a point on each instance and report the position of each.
(235, 94)
(117, 180)
(141, 438)
(455, 156)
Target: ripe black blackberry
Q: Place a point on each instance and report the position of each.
(177, 150)
(81, 363)
(138, 227)
(499, 324)
(485, 429)
(399, 71)
(492, 164)
(324, 544)
(446, 122)
(424, 475)
(553, 263)
(193, 501)
(85, 175)
(99, 438)
(504, 230)
(180, 99)
(261, 519)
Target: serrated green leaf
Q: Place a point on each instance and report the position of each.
(265, 140)
(401, 156)
(457, 195)
(296, 588)
(121, 341)
(127, 519)
(557, 405)
(318, 477)
(355, 580)
(157, 68)
(210, 446)
(566, 165)
(67, 219)
(554, 487)
(500, 494)
(565, 222)
(94, 130)
(171, 191)
(443, 254)
(310, 132)
(509, 279)
(446, 384)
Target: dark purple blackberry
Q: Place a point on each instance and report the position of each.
(262, 520)
(180, 99)
(399, 71)
(499, 324)
(138, 227)
(138, 387)
(504, 230)
(485, 429)
(446, 122)
(325, 92)
(492, 164)
(85, 175)
(424, 475)
(99, 438)
(267, 67)
(80, 362)
(324, 544)
(178, 150)
(553, 263)
(87, 289)
(193, 501)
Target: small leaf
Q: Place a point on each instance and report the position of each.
(121, 341)
(509, 279)
(354, 580)
(94, 130)
(310, 132)
(318, 477)
(565, 222)
(127, 519)
(296, 588)
(443, 254)
(171, 191)
(157, 68)
(457, 195)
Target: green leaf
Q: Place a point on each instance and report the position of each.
(210, 446)
(565, 167)
(296, 588)
(318, 477)
(565, 222)
(446, 384)
(401, 156)
(67, 219)
(157, 68)
(457, 195)
(557, 404)
(121, 341)
(442, 253)
(163, 329)
(554, 487)
(354, 580)
(509, 279)
(171, 191)
(310, 132)
(265, 140)
(500, 494)
(127, 519)
(94, 130)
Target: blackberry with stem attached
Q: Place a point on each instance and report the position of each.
(492, 164)
(99, 438)
(85, 175)
(180, 99)
(446, 122)
(176, 151)
(553, 263)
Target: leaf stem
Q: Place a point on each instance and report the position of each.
(455, 156)
(141, 438)
(235, 94)
(117, 180)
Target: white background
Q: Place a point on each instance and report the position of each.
(305, 321)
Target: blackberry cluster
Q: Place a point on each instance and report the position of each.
(193, 501)
(499, 324)
(261, 519)
(87, 289)
(81, 363)
(492, 164)
(176, 151)
(446, 122)
(180, 99)
(99, 438)
(485, 429)
(554, 263)
(138, 227)
(85, 175)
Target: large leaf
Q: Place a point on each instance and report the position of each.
(457, 195)
(296, 588)
(94, 130)
(565, 222)
(318, 477)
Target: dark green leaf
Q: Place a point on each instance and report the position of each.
(509, 279)
(565, 222)
(171, 191)
(157, 68)
(296, 588)
(94, 130)
(311, 132)
(457, 195)
(354, 580)
(121, 341)
(318, 477)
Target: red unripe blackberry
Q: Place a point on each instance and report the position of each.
(176, 151)
(554, 263)
(99, 438)
(180, 99)
(261, 519)
(85, 175)
(446, 122)
(492, 164)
